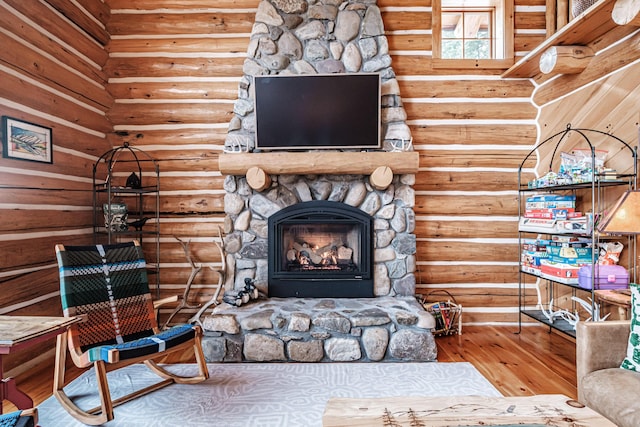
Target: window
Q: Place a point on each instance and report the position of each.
(468, 34)
(472, 33)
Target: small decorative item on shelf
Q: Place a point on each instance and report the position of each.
(139, 223)
(133, 181)
(115, 217)
(447, 314)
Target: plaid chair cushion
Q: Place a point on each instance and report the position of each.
(108, 284)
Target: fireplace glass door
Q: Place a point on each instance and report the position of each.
(320, 249)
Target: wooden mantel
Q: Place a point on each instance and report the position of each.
(319, 162)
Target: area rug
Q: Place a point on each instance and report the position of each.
(264, 394)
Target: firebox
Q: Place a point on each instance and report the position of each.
(320, 249)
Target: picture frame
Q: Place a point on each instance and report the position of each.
(23, 140)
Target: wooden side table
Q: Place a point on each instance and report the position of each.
(19, 332)
(620, 298)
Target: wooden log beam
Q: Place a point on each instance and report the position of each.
(258, 179)
(550, 17)
(319, 162)
(562, 13)
(565, 59)
(381, 178)
(626, 12)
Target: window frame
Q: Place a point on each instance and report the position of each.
(436, 35)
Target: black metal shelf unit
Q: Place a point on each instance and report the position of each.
(559, 292)
(126, 202)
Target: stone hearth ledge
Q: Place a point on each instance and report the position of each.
(391, 329)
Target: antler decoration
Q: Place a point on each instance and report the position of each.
(222, 273)
(195, 269)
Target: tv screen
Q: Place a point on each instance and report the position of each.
(317, 111)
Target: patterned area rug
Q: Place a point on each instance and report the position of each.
(265, 394)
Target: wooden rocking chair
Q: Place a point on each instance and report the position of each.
(107, 286)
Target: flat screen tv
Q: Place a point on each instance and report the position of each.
(313, 111)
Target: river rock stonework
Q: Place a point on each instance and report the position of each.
(247, 212)
(320, 330)
(318, 37)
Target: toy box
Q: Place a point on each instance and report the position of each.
(550, 201)
(552, 213)
(567, 273)
(607, 277)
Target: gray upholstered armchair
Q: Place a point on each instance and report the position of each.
(602, 384)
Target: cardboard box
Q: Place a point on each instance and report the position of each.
(577, 225)
(535, 245)
(556, 213)
(537, 225)
(551, 198)
(532, 258)
(570, 255)
(561, 271)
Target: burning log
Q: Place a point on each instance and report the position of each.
(331, 254)
(345, 254)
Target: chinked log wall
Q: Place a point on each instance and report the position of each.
(173, 69)
(51, 58)
(174, 74)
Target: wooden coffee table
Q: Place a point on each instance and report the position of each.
(524, 411)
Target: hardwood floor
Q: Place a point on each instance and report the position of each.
(533, 362)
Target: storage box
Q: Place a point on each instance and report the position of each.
(551, 198)
(567, 272)
(607, 277)
(552, 213)
(570, 255)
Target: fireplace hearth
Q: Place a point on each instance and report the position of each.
(320, 249)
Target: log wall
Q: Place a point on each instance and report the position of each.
(163, 76)
(51, 74)
(174, 81)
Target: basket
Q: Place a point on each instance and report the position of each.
(446, 311)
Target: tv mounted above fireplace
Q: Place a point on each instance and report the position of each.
(317, 111)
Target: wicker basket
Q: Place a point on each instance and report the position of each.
(446, 311)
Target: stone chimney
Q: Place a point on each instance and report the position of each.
(320, 37)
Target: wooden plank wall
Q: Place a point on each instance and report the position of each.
(51, 59)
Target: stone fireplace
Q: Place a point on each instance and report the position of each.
(390, 226)
(327, 238)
